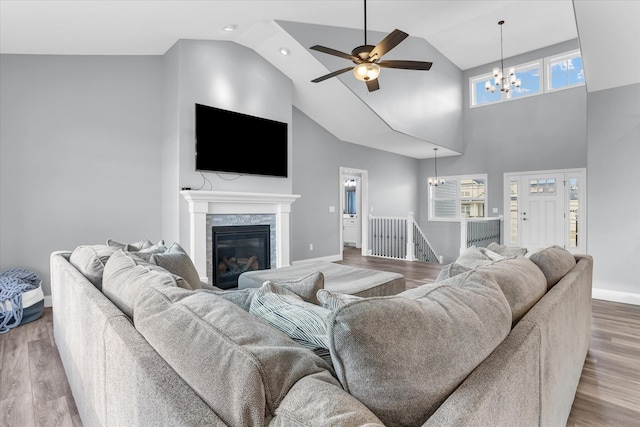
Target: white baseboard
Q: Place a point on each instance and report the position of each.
(616, 296)
(330, 258)
(47, 301)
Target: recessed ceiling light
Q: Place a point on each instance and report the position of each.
(231, 27)
(284, 51)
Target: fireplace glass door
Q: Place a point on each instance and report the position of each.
(237, 249)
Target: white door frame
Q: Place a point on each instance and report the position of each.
(364, 214)
(581, 174)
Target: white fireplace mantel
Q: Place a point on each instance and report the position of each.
(203, 203)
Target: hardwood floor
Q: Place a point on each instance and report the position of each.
(34, 389)
(33, 386)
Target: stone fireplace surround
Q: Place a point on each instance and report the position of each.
(204, 204)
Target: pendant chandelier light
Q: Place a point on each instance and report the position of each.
(434, 182)
(505, 83)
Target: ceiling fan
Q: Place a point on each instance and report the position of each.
(367, 58)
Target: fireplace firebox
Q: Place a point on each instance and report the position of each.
(239, 248)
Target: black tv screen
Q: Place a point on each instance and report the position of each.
(227, 141)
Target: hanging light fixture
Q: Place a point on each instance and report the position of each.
(505, 83)
(434, 182)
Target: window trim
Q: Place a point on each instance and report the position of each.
(545, 79)
(556, 58)
(430, 216)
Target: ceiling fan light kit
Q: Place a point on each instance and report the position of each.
(367, 58)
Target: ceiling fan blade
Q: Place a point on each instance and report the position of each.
(328, 76)
(334, 52)
(406, 65)
(392, 40)
(373, 85)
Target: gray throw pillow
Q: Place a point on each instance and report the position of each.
(305, 287)
(240, 297)
(303, 322)
(554, 262)
(332, 300)
(177, 261)
(451, 270)
(131, 247)
(402, 357)
(90, 261)
(507, 251)
(472, 257)
(126, 275)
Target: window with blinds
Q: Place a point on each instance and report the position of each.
(458, 196)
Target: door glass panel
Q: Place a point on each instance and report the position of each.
(574, 205)
(513, 212)
(541, 187)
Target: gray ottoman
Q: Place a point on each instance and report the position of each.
(337, 278)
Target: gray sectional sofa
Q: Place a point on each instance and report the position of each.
(497, 341)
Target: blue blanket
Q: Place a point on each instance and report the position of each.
(13, 283)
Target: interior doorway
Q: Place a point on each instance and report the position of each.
(546, 208)
(354, 208)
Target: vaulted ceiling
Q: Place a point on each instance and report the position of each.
(457, 34)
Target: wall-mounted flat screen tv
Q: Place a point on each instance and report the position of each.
(227, 141)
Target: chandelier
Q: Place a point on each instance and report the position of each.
(499, 79)
(434, 182)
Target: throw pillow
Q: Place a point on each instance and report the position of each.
(506, 251)
(125, 275)
(240, 366)
(90, 261)
(303, 322)
(240, 297)
(135, 246)
(493, 256)
(305, 287)
(473, 258)
(177, 261)
(439, 336)
(332, 300)
(451, 270)
(554, 262)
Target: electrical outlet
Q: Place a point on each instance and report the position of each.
(310, 246)
(495, 210)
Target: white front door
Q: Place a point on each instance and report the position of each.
(546, 208)
(542, 210)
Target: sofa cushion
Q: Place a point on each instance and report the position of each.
(493, 256)
(303, 322)
(176, 260)
(125, 275)
(554, 262)
(239, 365)
(506, 251)
(521, 281)
(332, 300)
(403, 356)
(90, 261)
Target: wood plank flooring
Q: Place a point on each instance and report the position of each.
(34, 389)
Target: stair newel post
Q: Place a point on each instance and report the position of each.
(411, 256)
(463, 232)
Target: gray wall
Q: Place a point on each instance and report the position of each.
(613, 176)
(541, 132)
(224, 75)
(79, 154)
(318, 157)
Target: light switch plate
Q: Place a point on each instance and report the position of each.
(332, 209)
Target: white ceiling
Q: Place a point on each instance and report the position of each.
(465, 32)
